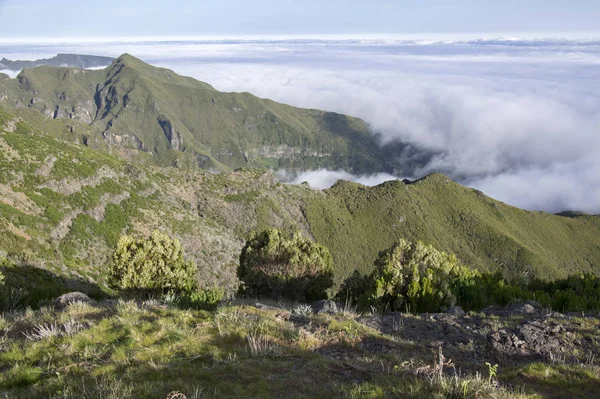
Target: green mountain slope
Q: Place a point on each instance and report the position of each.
(63, 206)
(132, 104)
(481, 231)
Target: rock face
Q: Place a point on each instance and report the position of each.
(72, 297)
(172, 135)
(324, 306)
(532, 337)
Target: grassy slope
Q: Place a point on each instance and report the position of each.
(64, 205)
(357, 222)
(132, 99)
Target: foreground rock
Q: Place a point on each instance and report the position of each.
(512, 335)
(324, 306)
(456, 311)
(72, 297)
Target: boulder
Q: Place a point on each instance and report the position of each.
(324, 306)
(522, 307)
(72, 297)
(456, 311)
(262, 306)
(536, 305)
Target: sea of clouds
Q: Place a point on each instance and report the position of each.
(518, 118)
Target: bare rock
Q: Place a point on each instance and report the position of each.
(324, 306)
(522, 308)
(456, 311)
(262, 306)
(72, 297)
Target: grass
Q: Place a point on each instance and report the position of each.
(150, 350)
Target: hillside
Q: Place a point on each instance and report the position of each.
(481, 231)
(182, 121)
(60, 60)
(64, 205)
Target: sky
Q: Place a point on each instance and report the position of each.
(67, 18)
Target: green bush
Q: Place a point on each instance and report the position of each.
(415, 277)
(277, 266)
(206, 299)
(418, 278)
(151, 266)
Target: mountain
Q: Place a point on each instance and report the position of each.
(182, 121)
(63, 206)
(69, 60)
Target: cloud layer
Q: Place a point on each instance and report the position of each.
(516, 118)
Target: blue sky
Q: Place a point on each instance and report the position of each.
(64, 18)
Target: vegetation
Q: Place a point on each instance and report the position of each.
(415, 277)
(576, 293)
(154, 265)
(275, 266)
(356, 223)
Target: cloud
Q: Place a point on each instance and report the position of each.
(323, 178)
(10, 73)
(516, 118)
(572, 186)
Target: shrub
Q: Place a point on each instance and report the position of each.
(415, 277)
(273, 265)
(151, 266)
(207, 299)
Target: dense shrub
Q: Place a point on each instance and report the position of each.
(418, 278)
(151, 266)
(415, 277)
(277, 266)
(207, 299)
(576, 293)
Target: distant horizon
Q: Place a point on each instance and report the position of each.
(458, 36)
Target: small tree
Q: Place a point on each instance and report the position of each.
(415, 277)
(274, 265)
(153, 265)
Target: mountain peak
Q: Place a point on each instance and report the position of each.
(131, 61)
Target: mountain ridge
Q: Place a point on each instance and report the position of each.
(133, 104)
(61, 59)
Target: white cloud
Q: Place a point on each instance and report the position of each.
(323, 178)
(10, 73)
(572, 186)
